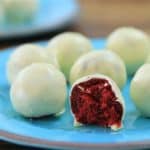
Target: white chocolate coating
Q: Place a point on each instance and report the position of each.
(132, 45)
(68, 47)
(140, 90)
(19, 10)
(52, 57)
(25, 55)
(115, 89)
(39, 90)
(103, 62)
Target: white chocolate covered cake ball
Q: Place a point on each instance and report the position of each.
(140, 90)
(19, 10)
(39, 90)
(132, 45)
(23, 56)
(103, 62)
(68, 47)
(96, 100)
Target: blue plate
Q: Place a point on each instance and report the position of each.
(51, 132)
(51, 15)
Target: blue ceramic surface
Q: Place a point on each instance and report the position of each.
(51, 15)
(59, 132)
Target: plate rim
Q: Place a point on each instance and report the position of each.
(41, 143)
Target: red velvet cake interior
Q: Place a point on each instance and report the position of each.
(94, 102)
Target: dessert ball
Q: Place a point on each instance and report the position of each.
(96, 99)
(68, 47)
(132, 45)
(39, 90)
(52, 57)
(23, 56)
(19, 10)
(103, 62)
(140, 90)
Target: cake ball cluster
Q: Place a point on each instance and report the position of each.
(34, 78)
(133, 46)
(39, 76)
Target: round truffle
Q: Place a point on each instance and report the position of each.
(132, 45)
(103, 62)
(25, 55)
(17, 11)
(39, 90)
(68, 47)
(140, 90)
(96, 99)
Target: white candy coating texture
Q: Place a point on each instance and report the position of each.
(39, 90)
(103, 62)
(19, 10)
(68, 47)
(140, 90)
(132, 45)
(115, 89)
(23, 56)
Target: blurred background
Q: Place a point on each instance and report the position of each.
(94, 18)
(99, 17)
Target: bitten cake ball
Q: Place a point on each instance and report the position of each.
(23, 56)
(39, 90)
(96, 99)
(140, 90)
(132, 45)
(103, 62)
(68, 47)
(18, 11)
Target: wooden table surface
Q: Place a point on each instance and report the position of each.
(97, 19)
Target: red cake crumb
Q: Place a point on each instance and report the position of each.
(94, 102)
